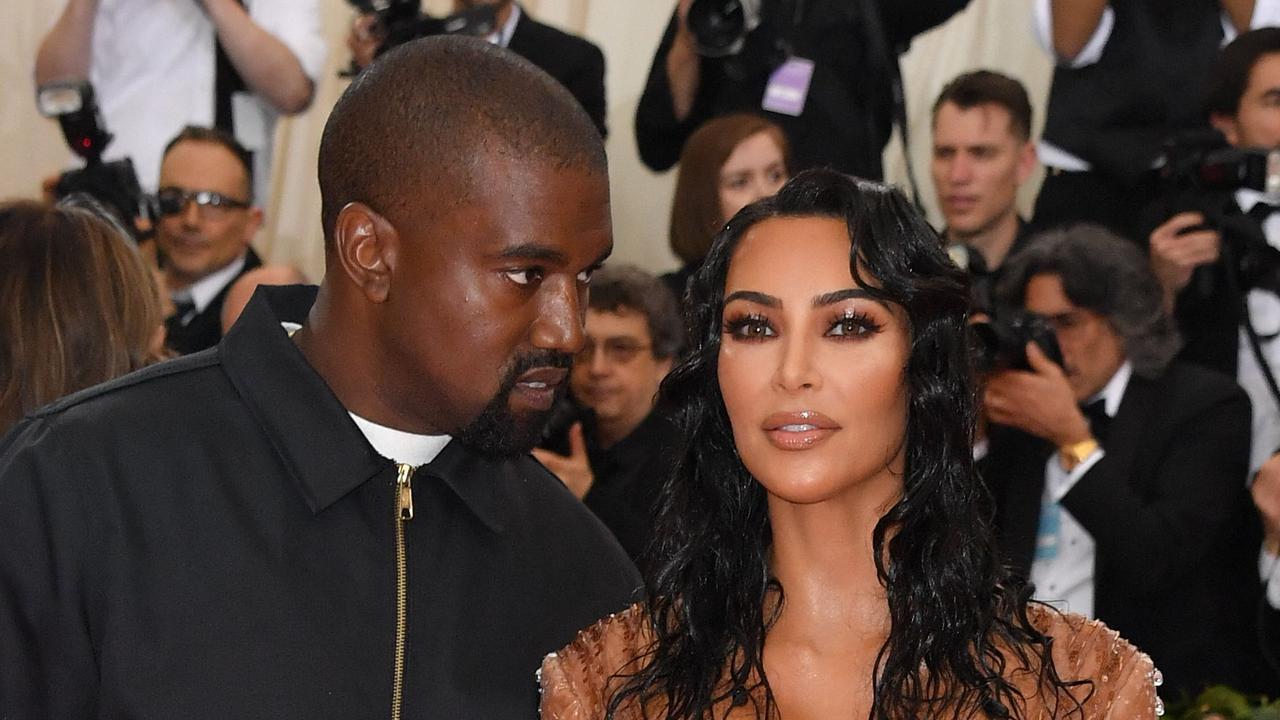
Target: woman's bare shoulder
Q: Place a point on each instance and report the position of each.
(577, 680)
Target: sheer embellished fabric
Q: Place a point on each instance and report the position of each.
(578, 681)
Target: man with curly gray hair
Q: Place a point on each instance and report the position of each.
(1119, 475)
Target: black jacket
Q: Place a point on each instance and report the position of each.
(576, 63)
(213, 537)
(205, 329)
(1175, 531)
(848, 114)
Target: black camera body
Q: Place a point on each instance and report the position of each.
(1000, 343)
(720, 27)
(1201, 174)
(114, 184)
(399, 21)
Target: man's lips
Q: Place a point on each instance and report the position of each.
(536, 388)
(798, 430)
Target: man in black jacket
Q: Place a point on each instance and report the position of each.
(1119, 476)
(207, 220)
(821, 69)
(340, 519)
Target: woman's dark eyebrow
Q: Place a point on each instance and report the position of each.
(836, 296)
(752, 296)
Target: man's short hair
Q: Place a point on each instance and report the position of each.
(626, 288)
(1104, 273)
(985, 87)
(415, 124)
(1230, 74)
(222, 138)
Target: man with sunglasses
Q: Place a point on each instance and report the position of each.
(206, 222)
(617, 454)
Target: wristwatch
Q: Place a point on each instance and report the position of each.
(1069, 456)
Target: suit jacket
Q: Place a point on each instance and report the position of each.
(574, 62)
(1176, 536)
(205, 329)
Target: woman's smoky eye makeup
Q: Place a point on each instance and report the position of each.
(847, 323)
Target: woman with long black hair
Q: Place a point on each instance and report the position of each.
(823, 547)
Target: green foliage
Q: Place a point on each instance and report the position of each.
(1220, 702)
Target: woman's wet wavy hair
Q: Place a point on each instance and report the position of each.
(956, 620)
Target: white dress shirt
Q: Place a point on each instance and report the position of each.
(202, 292)
(1062, 568)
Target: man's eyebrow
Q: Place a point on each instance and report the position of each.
(533, 251)
(836, 296)
(752, 296)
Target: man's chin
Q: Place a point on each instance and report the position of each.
(505, 434)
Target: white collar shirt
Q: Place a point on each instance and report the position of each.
(1063, 565)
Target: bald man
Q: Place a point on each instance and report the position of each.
(340, 519)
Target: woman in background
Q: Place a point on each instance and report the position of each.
(78, 306)
(823, 549)
(727, 163)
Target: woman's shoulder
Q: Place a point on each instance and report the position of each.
(1114, 678)
(577, 680)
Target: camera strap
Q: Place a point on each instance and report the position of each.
(1246, 320)
(226, 83)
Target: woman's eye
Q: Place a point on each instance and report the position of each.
(749, 328)
(852, 326)
(525, 276)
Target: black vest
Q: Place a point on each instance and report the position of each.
(1148, 83)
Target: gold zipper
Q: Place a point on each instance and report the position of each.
(404, 513)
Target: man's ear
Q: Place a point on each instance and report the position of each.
(365, 245)
(253, 224)
(1026, 161)
(1226, 124)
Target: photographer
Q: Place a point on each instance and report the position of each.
(158, 67)
(822, 69)
(573, 61)
(1119, 476)
(1127, 74)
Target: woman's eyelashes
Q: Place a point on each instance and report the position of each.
(749, 326)
(848, 324)
(853, 324)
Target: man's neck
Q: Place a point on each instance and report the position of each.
(611, 432)
(994, 241)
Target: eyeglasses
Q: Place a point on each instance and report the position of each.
(173, 201)
(616, 350)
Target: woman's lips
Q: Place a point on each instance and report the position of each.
(799, 430)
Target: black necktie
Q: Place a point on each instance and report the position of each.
(182, 310)
(1099, 422)
(1261, 211)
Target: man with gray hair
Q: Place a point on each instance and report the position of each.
(1119, 476)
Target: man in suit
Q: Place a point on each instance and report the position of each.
(207, 219)
(1131, 509)
(573, 61)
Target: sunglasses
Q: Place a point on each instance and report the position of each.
(173, 201)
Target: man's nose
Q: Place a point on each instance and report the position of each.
(558, 325)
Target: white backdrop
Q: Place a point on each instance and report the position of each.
(990, 33)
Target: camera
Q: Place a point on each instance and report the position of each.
(114, 184)
(720, 27)
(399, 21)
(1201, 172)
(1001, 342)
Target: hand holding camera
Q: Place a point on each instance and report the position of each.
(1180, 245)
(1038, 401)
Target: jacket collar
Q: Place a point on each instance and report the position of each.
(317, 441)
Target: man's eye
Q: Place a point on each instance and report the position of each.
(525, 276)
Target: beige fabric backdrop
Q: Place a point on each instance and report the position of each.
(990, 33)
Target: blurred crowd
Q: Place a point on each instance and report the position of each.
(1125, 333)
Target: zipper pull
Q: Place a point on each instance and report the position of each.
(404, 491)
